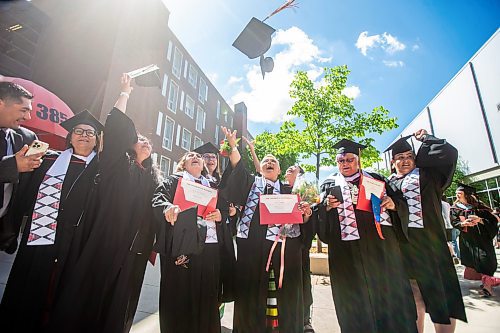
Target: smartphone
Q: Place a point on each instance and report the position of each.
(37, 147)
(336, 191)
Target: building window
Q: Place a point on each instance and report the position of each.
(172, 96)
(169, 51)
(189, 109)
(225, 114)
(197, 142)
(164, 166)
(177, 64)
(159, 123)
(203, 91)
(216, 133)
(164, 85)
(193, 75)
(200, 117)
(186, 139)
(218, 109)
(168, 133)
(230, 121)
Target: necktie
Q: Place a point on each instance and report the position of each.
(3, 152)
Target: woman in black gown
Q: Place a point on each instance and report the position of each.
(478, 227)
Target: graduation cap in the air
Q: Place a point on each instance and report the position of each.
(345, 146)
(188, 236)
(254, 41)
(208, 147)
(147, 76)
(401, 145)
(84, 117)
(467, 189)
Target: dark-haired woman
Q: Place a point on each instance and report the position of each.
(190, 287)
(54, 203)
(106, 278)
(478, 227)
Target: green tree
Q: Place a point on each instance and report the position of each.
(460, 175)
(270, 143)
(328, 116)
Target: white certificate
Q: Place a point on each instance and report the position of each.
(197, 193)
(374, 186)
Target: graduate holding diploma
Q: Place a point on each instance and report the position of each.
(190, 244)
(369, 284)
(269, 241)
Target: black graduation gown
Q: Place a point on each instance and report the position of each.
(251, 278)
(35, 277)
(189, 297)
(426, 255)
(107, 277)
(476, 243)
(369, 284)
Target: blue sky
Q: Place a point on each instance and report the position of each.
(401, 53)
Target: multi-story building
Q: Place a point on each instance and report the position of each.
(466, 112)
(78, 50)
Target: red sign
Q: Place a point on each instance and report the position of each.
(48, 112)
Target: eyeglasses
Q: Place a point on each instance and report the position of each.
(210, 156)
(191, 155)
(89, 132)
(345, 160)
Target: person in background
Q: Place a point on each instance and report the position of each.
(15, 108)
(496, 212)
(445, 211)
(478, 227)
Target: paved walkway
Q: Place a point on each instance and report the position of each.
(483, 313)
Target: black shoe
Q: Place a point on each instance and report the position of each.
(308, 326)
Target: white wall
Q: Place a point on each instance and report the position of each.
(456, 113)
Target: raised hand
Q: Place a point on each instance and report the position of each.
(125, 84)
(230, 136)
(419, 135)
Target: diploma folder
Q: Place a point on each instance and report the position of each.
(188, 237)
(279, 209)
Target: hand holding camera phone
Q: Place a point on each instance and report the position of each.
(37, 147)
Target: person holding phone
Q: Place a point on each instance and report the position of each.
(423, 177)
(478, 227)
(369, 284)
(15, 108)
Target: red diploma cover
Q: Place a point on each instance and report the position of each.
(279, 209)
(371, 185)
(189, 194)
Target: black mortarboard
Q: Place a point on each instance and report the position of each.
(254, 41)
(188, 237)
(84, 117)
(207, 148)
(400, 145)
(347, 146)
(148, 76)
(467, 189)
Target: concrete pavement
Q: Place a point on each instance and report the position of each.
(483, 313)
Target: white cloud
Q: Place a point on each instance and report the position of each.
(389, 43)
(269, 100)
(415, 47)
(366, 42)
(393, 63)
(352, 92)
(234, 79)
